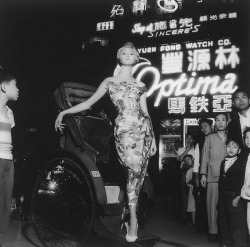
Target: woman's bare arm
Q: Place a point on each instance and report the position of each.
(101, 90)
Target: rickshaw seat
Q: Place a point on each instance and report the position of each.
(89, 129)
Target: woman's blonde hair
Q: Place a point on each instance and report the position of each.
(128, 45)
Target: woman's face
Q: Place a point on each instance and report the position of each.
(206, 128)
(127, 56)
(247, 139)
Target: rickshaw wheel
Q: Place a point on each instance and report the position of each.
(63, 203)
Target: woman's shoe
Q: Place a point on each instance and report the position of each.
(131, 239)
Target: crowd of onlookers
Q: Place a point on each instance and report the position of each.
(213, 175)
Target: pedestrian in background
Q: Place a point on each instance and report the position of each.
(200, 192)
(236, 127)
(181, 153)
(245, 192)
(191, 207)
(213, 153)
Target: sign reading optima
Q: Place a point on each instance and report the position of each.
(194, 77)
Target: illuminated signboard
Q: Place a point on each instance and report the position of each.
(185, 76)
(103, 26)
(178, 26)
(165, 28)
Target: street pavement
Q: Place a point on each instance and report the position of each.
(161, 222)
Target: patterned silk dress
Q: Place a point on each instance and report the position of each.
(133, 133)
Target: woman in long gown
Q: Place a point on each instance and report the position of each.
(133, 130)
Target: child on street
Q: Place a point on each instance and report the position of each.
(189, 163)
(8, 92)
(231, 215)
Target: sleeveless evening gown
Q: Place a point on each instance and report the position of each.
(133, 133)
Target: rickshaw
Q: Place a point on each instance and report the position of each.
(80, 188)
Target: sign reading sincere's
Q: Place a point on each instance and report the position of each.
(179, 26)
(194, 77)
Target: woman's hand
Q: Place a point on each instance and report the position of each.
(58, 123)
(153, 148)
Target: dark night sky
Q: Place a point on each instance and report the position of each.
(41, 44)
(46, 35)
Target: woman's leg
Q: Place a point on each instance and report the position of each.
(133, 220)
(134, 184)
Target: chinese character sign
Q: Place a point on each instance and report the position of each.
(191, 75)
(139, 7)
(117, 10)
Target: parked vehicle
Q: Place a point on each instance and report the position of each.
(81, 186)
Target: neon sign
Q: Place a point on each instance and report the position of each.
(187, 81)
(160, 28)
(199, 60)
(184, 86)
(169, 6)
(198, 104)
(181, 26)
(222, 103)
(233, 58)
(171, 62)
(147, 50)
(215, 17)
(190, 121)
(177, 105)
(139, 6)
(117, 10)
(102, 26)
(199, 44)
